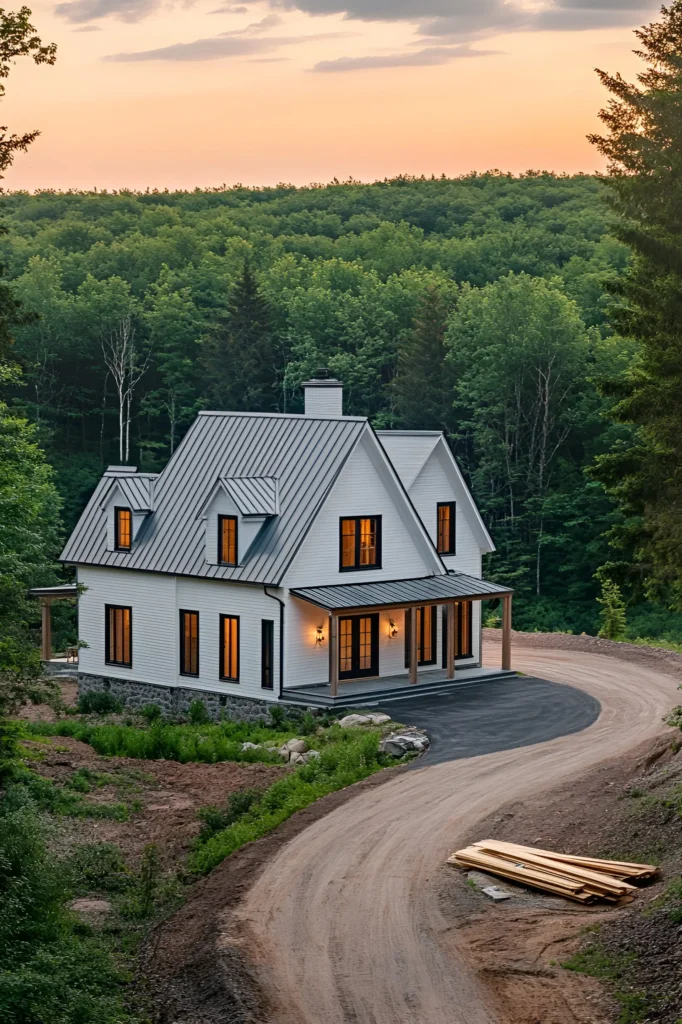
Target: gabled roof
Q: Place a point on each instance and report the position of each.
(303, 453)
(253, 495)
(135, 488)
(410, 450)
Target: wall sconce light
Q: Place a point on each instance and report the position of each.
(319, 636)
(392, 630)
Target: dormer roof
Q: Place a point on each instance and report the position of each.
(135, 488)
(253, 495)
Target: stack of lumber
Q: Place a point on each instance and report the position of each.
(585, 879)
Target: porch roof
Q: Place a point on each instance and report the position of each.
(400, 593)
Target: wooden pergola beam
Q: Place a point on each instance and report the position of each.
(46, 638)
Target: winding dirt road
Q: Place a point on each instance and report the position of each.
(343, 925)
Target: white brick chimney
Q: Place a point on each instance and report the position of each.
(323, 395)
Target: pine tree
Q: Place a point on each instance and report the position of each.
(643, 145)
(423, 397)
(612, 615)
(240, 354)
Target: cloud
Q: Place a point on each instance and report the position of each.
(228, 44)
(88, 28)
(431, 55)
(78, 11)
(230, 9)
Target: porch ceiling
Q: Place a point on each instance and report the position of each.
(400, 593)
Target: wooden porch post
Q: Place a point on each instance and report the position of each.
(413, 645)
(506, 630)
(452, 630)
(334, 654)
(46, 652)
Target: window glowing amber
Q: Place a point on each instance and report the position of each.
(189, 643)
(227, 540)
(360, 546)
(229, 628)
(446, 528)
(124, 524)
(118, 638)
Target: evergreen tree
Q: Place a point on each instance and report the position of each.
(423, 396)
(240, 355)
(612, 615)
(643, 144)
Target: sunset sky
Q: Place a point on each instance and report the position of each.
(202, 92)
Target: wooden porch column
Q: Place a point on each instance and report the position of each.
(452, 632)
(413, 645)
(46, 609)
(506, 630)
(334, 654)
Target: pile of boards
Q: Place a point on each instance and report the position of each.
(585, 879)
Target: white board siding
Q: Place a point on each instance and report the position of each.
(431, 486)
(156, 601)
(358, 491)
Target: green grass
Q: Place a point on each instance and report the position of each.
(349, 756)
(204, 743)
(598, 963)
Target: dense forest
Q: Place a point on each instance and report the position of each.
(479, 305)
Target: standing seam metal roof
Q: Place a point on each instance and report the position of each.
(253, 495)
(303, 453)
(454, 585)
(137, 490)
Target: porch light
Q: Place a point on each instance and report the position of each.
(319, 635)
(392, 630)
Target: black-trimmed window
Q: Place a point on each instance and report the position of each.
(189, 643)
(267, 649)
(227, 540)
(118, 626)
(427, 625)
(229, 648)
(464, 647)
(123, 529)
(359, 543)
(446, 513)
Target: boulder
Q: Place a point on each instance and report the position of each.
(295, 758)
(284, 752)
(397, 744)
(379, 718)
(297, 746)
(310, 755)
(352, 720)
(251, 746)
(91, 906)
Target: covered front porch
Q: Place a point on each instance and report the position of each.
(353, 611)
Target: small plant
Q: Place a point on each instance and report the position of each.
(152, 713)
(141, 898)
(216, 819)
(307, 725)
(99, 867)
(277, 716)
(198, 715)
(612, 614)
(99, 703)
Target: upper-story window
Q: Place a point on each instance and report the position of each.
(360, 543)
(123, 529)
(446, 527)
(227, 540)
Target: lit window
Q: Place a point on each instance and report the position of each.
(446, 527)
(229, 648)
(189, 643)
(123, 523)
(118, 640)
(227, 540)
(360, 543)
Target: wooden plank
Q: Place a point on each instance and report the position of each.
(528, 878)
(46, 611)
(594, 863)
(601, 880)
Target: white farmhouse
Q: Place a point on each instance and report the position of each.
(297, 558)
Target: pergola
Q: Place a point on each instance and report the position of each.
(47, 595)
(394, 595)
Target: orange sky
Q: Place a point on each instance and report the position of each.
(240, 100)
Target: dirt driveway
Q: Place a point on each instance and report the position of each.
(344, 925)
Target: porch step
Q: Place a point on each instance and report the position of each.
(375, 697)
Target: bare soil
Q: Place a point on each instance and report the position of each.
(169, 796)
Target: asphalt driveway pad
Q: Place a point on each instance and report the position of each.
(481, 718)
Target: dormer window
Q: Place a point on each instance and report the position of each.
(446, 528)
(123, 529)
(227, 540)
(360, 543)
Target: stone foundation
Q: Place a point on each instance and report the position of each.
(174, 701)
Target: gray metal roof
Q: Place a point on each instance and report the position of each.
(63, 590)
(303, 453)
(253, 495)
(136, 488)
(400, 592)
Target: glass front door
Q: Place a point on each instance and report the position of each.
(358, 646)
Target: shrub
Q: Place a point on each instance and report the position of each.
(99, 867)
(216, 819)
(152, 712)
(99, 703)
(277, 716)
(198, 715)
